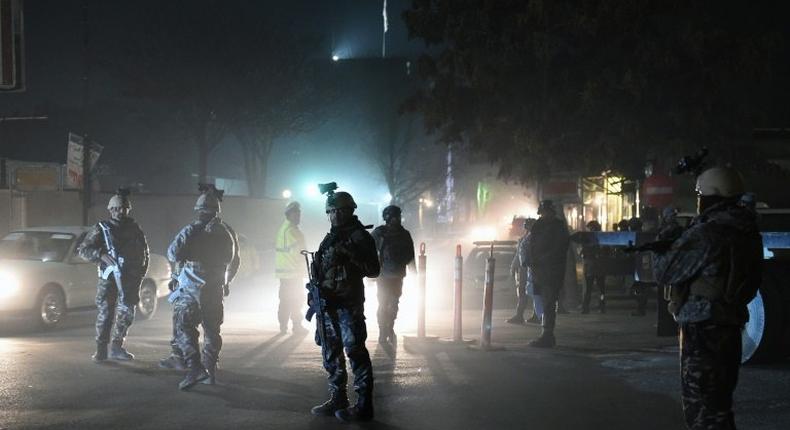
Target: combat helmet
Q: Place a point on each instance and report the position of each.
(720, 181)
(340, 200)
(391, 211)
(210, 198)
(120, 199)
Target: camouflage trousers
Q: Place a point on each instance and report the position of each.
(116, 311)
(292, 295)
(388, 294)
(188, 314)
(710, 357)
(345, 329)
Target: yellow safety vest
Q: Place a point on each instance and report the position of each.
(288, 262)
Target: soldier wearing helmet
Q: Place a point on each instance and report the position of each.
(346, 255)
(548, 251)
(520, 271)
(289, 269)
(594, 275)
(205, 255)
(713, 270)
(396, 251)
(119, 248)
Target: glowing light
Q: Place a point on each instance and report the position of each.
(312, 190)
(335, 58)
(428, 203)
(287, 194)
(485, 232)
(9, 284)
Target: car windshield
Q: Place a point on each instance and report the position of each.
(35, 245)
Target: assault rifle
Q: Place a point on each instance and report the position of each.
(315, 303)
(115, 269)
(658, 246)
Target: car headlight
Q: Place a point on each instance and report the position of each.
(9, 284)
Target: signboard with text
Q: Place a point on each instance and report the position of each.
(74, 160)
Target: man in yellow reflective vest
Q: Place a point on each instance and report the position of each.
(289, 268)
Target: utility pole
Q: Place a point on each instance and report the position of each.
(86, 142)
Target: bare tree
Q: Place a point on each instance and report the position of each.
(223, 73)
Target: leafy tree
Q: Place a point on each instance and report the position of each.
(540, 86)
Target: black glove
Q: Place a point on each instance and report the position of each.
(226, 290)
(173, 284)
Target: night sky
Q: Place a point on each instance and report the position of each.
(54, 40)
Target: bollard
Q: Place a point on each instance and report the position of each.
(488, 301)
(457, 301)
(421, 264)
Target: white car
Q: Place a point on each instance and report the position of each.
(42, 275)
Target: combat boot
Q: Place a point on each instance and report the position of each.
(393, 339)
(118, 352)
(338, 400)
(546, 340)
(534, 319)
(211, 369)
(173, 362)
(195, 375)
(360, 412)
(101, 352)
(515, 319)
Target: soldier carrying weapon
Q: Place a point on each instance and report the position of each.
(346, 255)
(119, 248)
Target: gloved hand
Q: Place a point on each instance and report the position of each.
(226, 290)
(107, 260)
(173, 284)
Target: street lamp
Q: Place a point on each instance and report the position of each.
(287, 194)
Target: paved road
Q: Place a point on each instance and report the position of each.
(609, 372)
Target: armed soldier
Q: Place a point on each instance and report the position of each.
(346, 255)
(396, 251)
(519, 269)
(594, 275)
(288, 268)
(119, 248)
(206, 252)
(713, 270)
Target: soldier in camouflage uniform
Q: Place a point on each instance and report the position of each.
(520, 271)
(206, 254)
(119, 249)
(713, 270)
(346, 255)
(396, 251)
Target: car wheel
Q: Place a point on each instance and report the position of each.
(148, 301)
(50, 307)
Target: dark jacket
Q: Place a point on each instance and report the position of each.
(346, 255)
(396, 250)
(128, 240)
(208, 252)
(715, 267)
(548, 251)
